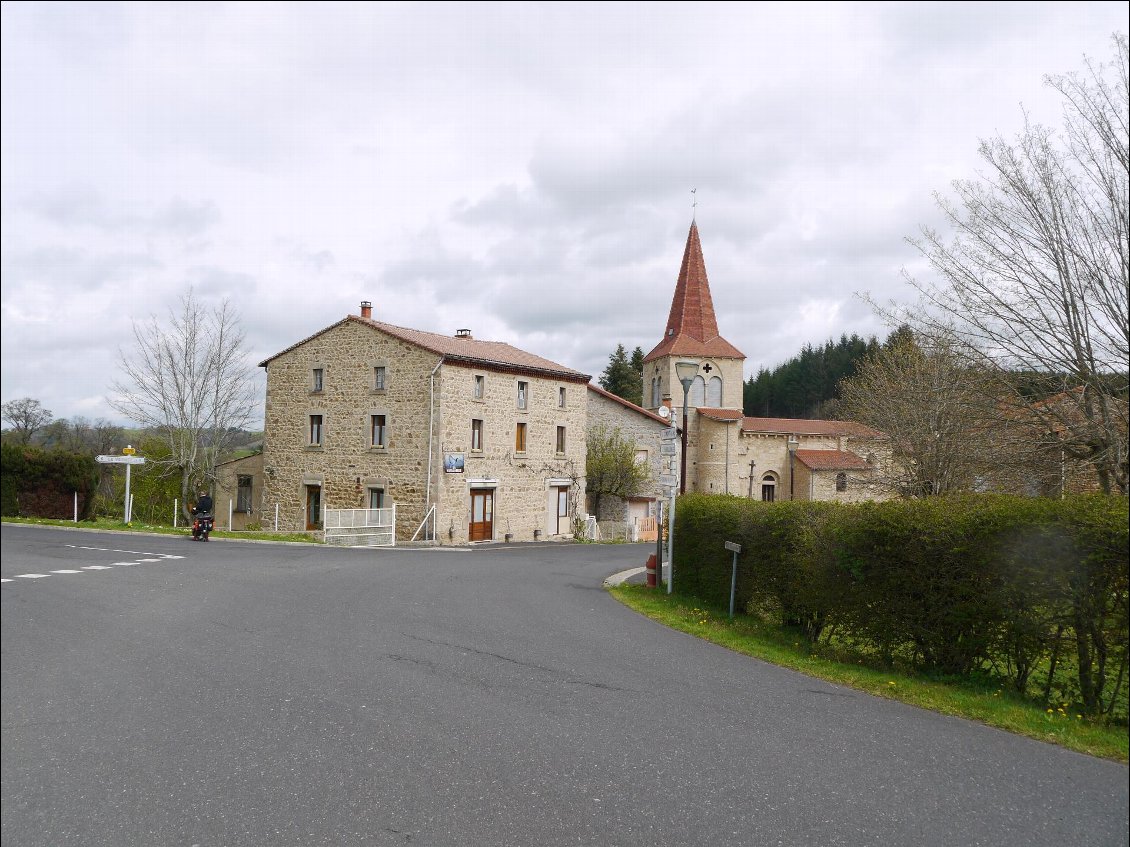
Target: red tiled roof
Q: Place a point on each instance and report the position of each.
(692, 328)
(492, 354)
(720, 414)
(831, 460)
(799, 426)
(596, 389)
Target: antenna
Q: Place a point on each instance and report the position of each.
(694, 203)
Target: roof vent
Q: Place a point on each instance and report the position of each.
(462, 333)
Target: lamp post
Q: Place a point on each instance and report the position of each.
(686, 372)
(794, 443)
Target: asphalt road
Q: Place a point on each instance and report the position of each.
(255, 694)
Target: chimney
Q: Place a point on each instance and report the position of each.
(366, 310)
(462, 333)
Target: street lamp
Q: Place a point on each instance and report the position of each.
(794, 443)
(686, 371)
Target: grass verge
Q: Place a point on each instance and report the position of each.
(996, 707)
(139, 526)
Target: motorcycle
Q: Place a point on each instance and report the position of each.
(201, 527)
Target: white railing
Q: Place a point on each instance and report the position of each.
(361, 527)
(429, 518)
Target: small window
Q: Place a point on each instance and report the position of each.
(376, 498)
(316, 431)
(841, 481)
(377, 431)
(317, 379)
(520, 438)
(768, 492)
(561, 397)
(641, 457)
(477, 435)
(243, 494)
(561, 437)
(479, 387)
(379, 376)
(523, 392)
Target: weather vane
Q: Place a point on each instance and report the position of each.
(694, 203)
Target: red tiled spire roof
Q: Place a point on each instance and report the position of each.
(692, 328)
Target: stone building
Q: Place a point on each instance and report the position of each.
(473, 440)
(644, 429)
(728, 452)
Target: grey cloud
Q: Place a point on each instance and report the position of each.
(81, 205)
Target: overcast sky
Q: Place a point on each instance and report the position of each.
(524, 170)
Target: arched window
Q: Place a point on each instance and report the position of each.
(714, 392)
(769, 487)
(698, 392)
(841, 481)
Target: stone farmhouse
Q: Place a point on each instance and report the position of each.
(728, 452)
(471, 440)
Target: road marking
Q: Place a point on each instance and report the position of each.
(66, 571)
(128, 564)
(160, 556)
(97, 567)
(5, 580)
(31, 576)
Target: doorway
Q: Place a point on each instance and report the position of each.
(313, 507)
(563, 527)
(482, 515)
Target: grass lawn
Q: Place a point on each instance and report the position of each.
(138, 526)
(994, 706)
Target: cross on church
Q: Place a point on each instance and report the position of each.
(707, 367)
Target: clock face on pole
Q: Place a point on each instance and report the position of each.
(664, 412)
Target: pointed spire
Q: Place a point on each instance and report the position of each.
(692, 327)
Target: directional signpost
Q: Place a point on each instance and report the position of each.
(735, 549)
(127, 458)
(669, 479)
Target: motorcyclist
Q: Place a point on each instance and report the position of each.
(203, 504)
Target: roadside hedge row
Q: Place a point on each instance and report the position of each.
(42, 483)
(953, 585)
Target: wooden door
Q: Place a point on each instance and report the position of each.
(563, 527)
(482, 514)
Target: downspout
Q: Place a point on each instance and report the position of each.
(431, 430)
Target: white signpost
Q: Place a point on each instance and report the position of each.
(128, 458)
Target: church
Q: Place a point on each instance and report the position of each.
(728, 452)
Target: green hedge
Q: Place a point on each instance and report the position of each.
(42, 483)
(955, 585)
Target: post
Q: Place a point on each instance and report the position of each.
(130, 517)
(126, 515)
(176, 508)
(230, 527)
(276, 517)
(671, 543)
(658, 542)
(76, 507)
(736, 548)
(686, 372)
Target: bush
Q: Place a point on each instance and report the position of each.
(42, 483)
(954, 585)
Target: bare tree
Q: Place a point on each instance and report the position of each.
(189, 381)
(947, 434)
(27, 417)
(1035, 275)
(611, 467)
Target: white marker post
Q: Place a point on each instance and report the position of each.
(128, 458)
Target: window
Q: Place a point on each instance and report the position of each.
(714, 392)
(477, 435)
(523, 391)
(841, 481)
(479, 387)
(520, 438)
(641, 457)
(379, 375)
(561, 397)
(376, 498)
(316, 382)
(377, 431)
(768, 491)
(561, 438)
(655, 393)
(316, 431)
(243, 494)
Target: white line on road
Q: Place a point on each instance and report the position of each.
(97, 567)
(159, 556)
(66, 571)
(31, 576)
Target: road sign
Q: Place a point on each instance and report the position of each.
(668, 479)
(668, 448)
(120, 460)
(730, 545)
(670, 434)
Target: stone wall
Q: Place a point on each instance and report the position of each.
(524, 482)
(645, 432)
